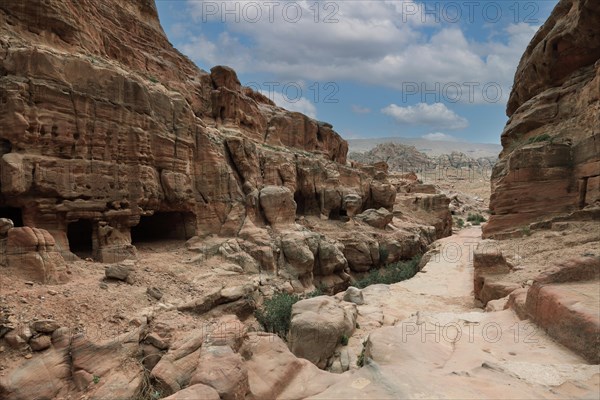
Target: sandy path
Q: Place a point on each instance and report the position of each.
(426, 339)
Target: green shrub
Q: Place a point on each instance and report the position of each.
(526, 231)
(391, 273)
(540, 138)
(344, 340)
(460, 223)
(96, 379)
(319, 291)
(476, 219)
(276, 313)
(360, 361)
(383, 254)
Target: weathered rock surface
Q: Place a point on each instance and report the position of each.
(112, 128)
(565, 301)
(551, 158)
(31, 254)
(317, 326)
(376, 218)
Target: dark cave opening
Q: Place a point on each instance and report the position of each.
(338, 214)
(13, 213)
(5, 147)
(79, 234)
(164, 226)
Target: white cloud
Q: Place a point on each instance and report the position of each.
(360, 110)
(372, 42)
(301, 104)
(439, 136)
(435, 115)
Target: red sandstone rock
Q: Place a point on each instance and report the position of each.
(551, 158)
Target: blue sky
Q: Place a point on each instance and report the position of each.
(434, 69)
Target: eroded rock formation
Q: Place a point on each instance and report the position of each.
(103, 125)
(550, 164)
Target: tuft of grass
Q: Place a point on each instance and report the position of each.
(147, 390)
(460, 223)
(153, 79)
(276, 313)
(360, 361)
(526, 231)
(383, 254)
(96, 379)
(391, 273)
(540, 138)
(344, 340)
(476, 219)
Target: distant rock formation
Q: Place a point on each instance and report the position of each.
(550, 163)
(404, 158)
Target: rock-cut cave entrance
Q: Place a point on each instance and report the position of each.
(79, 234)
(164, 226)
(13, 213)
(338, 214)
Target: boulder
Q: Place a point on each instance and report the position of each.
(361, 251)
(376, 218)
(354, 295)
(175, 369)
(352, 203)
(317, 326)
(224, 371)
(40, 343)
(118, 271)
(195, 392)
(45, 326)
(278, 205)
(31, 255)
(330, 258)
(5, 225)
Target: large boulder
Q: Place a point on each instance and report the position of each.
(331, 258)
(278, 205)
(299, 249)
(376, 218)
(31, 254)
(318, 325)
(224, 371)
(361, 251)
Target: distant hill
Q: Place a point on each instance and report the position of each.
(405, 158)
(432, 148)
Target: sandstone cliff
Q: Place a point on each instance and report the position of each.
(110, 138)
(550, 162)
(103, 122)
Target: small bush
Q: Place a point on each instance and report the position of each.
(383, 254)
(526, 231)
(276, 313)
(319, 291)
(460, 223)
(96, 379)
(540, 138)
(476, 219)
(344, 340)
(391, 273)
(360, 361)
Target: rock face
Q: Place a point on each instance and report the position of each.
(318, 325)
(30, 253)
(550, 163)
(565, 302)
(105, 128)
